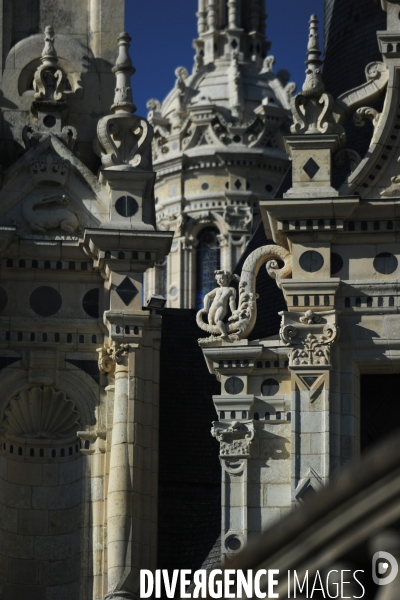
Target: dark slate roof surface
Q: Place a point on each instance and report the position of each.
(190, 473)
(271, 299)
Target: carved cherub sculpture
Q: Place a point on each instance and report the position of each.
(221, 299)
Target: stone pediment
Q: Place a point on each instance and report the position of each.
(49, 192)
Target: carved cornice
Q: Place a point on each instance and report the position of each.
(310, 337)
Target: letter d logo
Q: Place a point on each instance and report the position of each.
(380, 565)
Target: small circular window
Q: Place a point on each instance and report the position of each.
(234, 385)
(385, 263)
(311, 261)
(269, 387)
(126, 206)
(45, 301)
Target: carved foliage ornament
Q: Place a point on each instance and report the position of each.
(234, 439)
(310, 341)
(218, 302)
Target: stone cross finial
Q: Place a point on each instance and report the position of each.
(123, 70)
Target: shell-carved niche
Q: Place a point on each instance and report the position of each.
(41, 413)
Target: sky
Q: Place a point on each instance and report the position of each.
(162, 32)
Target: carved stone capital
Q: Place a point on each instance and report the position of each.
(310, 337)
(235, 438)
(111, 356)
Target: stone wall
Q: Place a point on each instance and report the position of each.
(41, 536)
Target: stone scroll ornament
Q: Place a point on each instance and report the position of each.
(219, 301)
(111, 356)
(124, 138)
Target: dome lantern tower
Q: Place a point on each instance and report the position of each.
(218, 148)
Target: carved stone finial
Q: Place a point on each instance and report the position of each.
(124, 139)
(49, 54)
(313, 85)
(123, 70)
(313, 108)
(49, 79)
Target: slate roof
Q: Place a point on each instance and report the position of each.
(190, 473)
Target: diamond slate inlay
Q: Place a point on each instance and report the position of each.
(311, 168)
(126, 291)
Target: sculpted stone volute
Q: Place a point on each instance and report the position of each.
(243, 318)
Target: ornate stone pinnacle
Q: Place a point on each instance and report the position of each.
(123, 99)
(313, 85)
(49, 54)
(49, 79)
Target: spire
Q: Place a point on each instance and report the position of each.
(124, 138)
(123, 99)
(313, 85)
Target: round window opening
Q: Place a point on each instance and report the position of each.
(205, 186)
(336, 263)
(234, 385)
(45, 301)
(385, 263)
(3, 299)
(311, 261)
(49, 121)
(234, 544)
(269, 387)
(126, 206)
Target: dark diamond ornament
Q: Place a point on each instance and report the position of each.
(126, 291)
(311, 168)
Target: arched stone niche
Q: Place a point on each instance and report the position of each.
(43, 525)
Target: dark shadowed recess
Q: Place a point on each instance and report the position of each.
(190, 473)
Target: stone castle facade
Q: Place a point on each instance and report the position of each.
(84, 366)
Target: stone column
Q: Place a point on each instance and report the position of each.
(212, 16)
(310, 337)
(119, 513)
(232, 14)
(201, 17)
(254, 15)
(235, 439)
